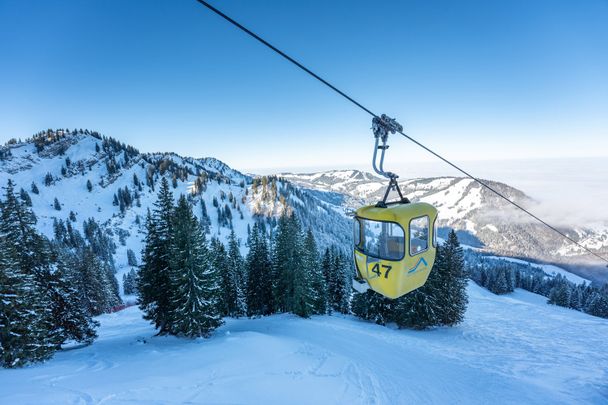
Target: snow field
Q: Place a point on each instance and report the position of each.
(510, 349)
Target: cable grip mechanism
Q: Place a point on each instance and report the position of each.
(383, 126)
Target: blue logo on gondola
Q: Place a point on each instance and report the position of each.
(415, 269)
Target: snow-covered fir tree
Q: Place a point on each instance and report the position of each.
(417, 309)
(195, 299)
(235, 279)
(372, 306)
(260, 299)
(90, 263)
(286, 258)
(25, 198)
(598, 305)
(130, 281)
(304, 296)
(219, 262)
(71, 319)
(338, 273)
(26, 327)
(452, 278)
(154, 299)
(131, 258)
(312, 264)
(560, 294)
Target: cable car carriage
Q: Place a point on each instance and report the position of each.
(394, 242)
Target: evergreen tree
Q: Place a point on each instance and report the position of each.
(89, 186)
(498, 280)
(131, 259)
(195, 283)
(219, 262)
(576, 299)
(48, 179)
(312, 263)
(260, 299)
(294, 269)
(304, 295)
(328, 275)
(71, 319)
(421, 308)
(92, 282)
(34, 188)
(129, 282)
(372, 306)
(154, 297)
(560, 294)
(598, 305)
(25, 198)
(237, 301)
(340, 287)
(56, 204)
(147, 281)
(286, 258)
(26, 329)
(451, 277)
(205, 220)
(22, 330)
(417, 309)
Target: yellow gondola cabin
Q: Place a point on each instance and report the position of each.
(395, 246)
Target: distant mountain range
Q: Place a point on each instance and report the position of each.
(483, 219)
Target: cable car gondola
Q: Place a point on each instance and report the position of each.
(394, 242)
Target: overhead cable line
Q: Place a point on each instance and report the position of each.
(367, 110)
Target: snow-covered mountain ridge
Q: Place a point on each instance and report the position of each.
(94, 176)
(483, 219)
(354, 183)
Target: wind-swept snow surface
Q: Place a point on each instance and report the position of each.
(511, 349)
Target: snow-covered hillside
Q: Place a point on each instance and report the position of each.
(482, 218)
(511, 349)
(61, 165)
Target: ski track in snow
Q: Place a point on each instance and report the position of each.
(510, 349)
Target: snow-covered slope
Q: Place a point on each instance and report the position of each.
(507, 351)
(60, 164)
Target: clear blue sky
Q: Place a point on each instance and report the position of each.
(473, 79)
